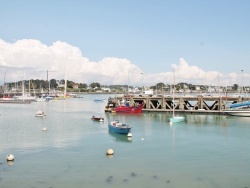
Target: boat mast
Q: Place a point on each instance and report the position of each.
(4, 83)
(128, 82)
(173, 93)
(65, 84)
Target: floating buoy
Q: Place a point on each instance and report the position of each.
(129, 134)
(170, 123)
(10, 157)
(110, 152)
(44, 129)
(142, 138)
(129, 138)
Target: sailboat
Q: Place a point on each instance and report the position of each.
(64, 95)
(41, 113)
(175, 119)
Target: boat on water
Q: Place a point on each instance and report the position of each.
(119, 127)
(175, 119)
(137, 108)
(40, 113)
(13, 100)
(95, 118)
(239, 109)
(238, 112)
(123, 107)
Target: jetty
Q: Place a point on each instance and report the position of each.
(183, 104)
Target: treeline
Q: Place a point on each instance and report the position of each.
(94, 86)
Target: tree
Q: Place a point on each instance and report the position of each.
(95, 85)
(53, 83)
(160, 86)
(83, 85)
(235, 87)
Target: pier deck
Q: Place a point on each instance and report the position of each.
(183, 104)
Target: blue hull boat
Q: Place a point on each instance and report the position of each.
(118, 127)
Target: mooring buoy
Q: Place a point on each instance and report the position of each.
(110, 152)
(129, 134)
(10, 157)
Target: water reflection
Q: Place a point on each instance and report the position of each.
(120, 137)
(10, 163)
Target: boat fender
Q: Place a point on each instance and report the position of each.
(110, 152)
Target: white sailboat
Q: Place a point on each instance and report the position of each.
(64, 95)
(175, 119)
(41, 113)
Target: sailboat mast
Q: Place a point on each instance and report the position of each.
(4, 83)
(173, 94)
(65, 84)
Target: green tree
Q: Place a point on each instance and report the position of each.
(235, 87)
(83, 85)
(53, 83)
(95, 85)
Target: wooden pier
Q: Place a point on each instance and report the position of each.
(184, 104)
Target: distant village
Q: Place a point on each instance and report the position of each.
(52, 86)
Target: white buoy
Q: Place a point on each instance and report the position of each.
(129, 134)
(142, 139)
(10, 157)
(130, 139)
(170, 123)
(110, 152)
(44, 129)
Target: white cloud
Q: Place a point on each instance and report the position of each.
(32, 58)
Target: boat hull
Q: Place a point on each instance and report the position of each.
(177, 119)
(97, 118)
(129, 109)
(123, 129)
(242, 113)
(15, 101)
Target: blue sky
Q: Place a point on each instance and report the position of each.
(152, 35)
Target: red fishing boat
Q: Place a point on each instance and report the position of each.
(137, 108)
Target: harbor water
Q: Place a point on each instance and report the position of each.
(204, 151)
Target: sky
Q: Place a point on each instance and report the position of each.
(135, 42)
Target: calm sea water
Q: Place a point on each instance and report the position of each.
(205, 151)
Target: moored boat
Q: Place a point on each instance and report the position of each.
(40, 113)
(123, 106)
(239, 109)
(95, 118)
(137, 108)
(243, 112)
(118, 127)
(177, 119)
(13, 101)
